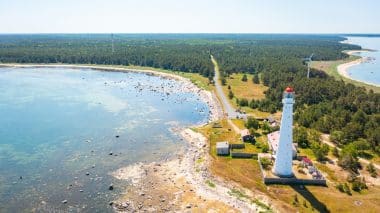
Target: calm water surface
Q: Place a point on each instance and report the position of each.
(370, 70)
(58, 127)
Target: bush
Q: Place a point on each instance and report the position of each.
(348, 159)
(243, 102)
(256, 79)
(224, 81)
(347, 189)
(358, 185)
(305, 204)
(230, 94)
(320, 151)
(252, 123)
(265, 163)
(300, 137)
(335, 152)
(295, 200)
(340, 187)
(337, 137)
(265, 148)
(372, 170)
(254, 104)
(244, 78)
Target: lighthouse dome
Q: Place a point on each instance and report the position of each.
(289, 89)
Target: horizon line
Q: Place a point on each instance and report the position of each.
(189, 33)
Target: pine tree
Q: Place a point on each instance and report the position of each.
(256, 79)
(244, 78)
(230, 94)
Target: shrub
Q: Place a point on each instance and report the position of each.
(300, 137)
(371, 169)
(320, 151)
(358, 185)
(347, 189)
(265, 148)
(243, 102)
(340, 187)
(295, 200)
(224, 81)
(244, 78)
(252, 123)
(335, 152)
(230, 94)
(256, 79)
(265, 163)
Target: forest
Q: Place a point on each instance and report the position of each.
(347, 112)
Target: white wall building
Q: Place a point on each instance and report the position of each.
(222, 148)
(274, 140)
(284, 154)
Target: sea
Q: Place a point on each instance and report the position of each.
(63, 131)
(369, 71)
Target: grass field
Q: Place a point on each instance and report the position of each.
(245, 172)
(239, 123)
(247, 90)
(330, 67)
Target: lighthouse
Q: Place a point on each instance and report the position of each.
(284, 156)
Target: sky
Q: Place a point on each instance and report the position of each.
(189, 16)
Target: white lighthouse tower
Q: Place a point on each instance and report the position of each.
(284, 154)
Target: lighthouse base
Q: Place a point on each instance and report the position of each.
(291, 175)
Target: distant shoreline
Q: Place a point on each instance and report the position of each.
(343, 68)
(206, 96)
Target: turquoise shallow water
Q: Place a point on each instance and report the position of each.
(59, 124)
(370, 70)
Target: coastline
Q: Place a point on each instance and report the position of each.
(206, 96)
(183, 182)
(343, 68)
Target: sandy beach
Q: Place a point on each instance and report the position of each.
(343, 68)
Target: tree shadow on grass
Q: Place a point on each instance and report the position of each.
(315, 203)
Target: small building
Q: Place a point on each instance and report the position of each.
(274, 139)
(222, 148)
(246, 136)
(272, 122)
(306, 162)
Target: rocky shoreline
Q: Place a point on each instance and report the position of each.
(179, 185)
(184, 182)
(187, 86)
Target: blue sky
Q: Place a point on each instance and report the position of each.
(189, 16)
